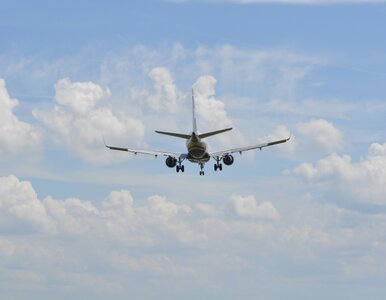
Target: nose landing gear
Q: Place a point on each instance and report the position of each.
(202, 173)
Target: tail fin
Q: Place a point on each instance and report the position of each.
(194, 113)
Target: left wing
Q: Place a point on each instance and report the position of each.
(242, 149)
(147, 152)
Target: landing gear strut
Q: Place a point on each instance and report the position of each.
(202, 173)
(180, 166)
(218, 165)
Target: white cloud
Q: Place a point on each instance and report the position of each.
(16, 136)
(165, 96)
(209, 108)
(162, 239)
(211, 113)
(79, 122)
(363, 181)
(322, 134)
(79, 97)
(248, 207)
(18, 199)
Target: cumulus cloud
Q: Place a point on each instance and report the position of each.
(18, 199)
(212, 115)
(322, 134)
(160, 238)
(119, 217)
(363, 181)
(248, 207)
(209, 108)
(165, 96)
(79, 97)
(81, 117)
(16, 136)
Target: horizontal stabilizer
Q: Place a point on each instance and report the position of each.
(179, 135)
(204, 135)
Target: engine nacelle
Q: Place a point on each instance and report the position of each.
(228, 159)
(171, 162)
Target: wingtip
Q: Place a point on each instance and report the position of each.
(104, 142)
(289, 136)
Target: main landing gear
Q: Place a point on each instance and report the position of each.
(180, 166)
(218, 165)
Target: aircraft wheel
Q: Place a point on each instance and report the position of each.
(215, 167)
(220, 167)
(177, 169)
(182, 169)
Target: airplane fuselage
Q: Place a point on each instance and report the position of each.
(197, 149)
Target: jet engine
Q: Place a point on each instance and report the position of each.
(171, 162)
(228, 159)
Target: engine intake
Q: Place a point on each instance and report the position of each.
(171, 162)
(228, 159)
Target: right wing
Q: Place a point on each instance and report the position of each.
(147, 152)
(242, 149)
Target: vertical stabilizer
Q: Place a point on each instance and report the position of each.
(194, 113)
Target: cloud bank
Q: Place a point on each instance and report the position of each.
(67, 241)
(16, 137)
(351, 182)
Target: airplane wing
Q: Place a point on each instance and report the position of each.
(147, 152)
(247, 148)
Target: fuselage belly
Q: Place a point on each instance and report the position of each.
(197, 150)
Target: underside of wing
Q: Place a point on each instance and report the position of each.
(247, 148)
(146, 152)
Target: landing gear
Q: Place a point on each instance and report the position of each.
(180, 166)
(218, 165)
(202, 173)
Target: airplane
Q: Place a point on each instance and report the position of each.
(197, 149)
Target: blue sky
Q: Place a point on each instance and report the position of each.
(301, 220)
